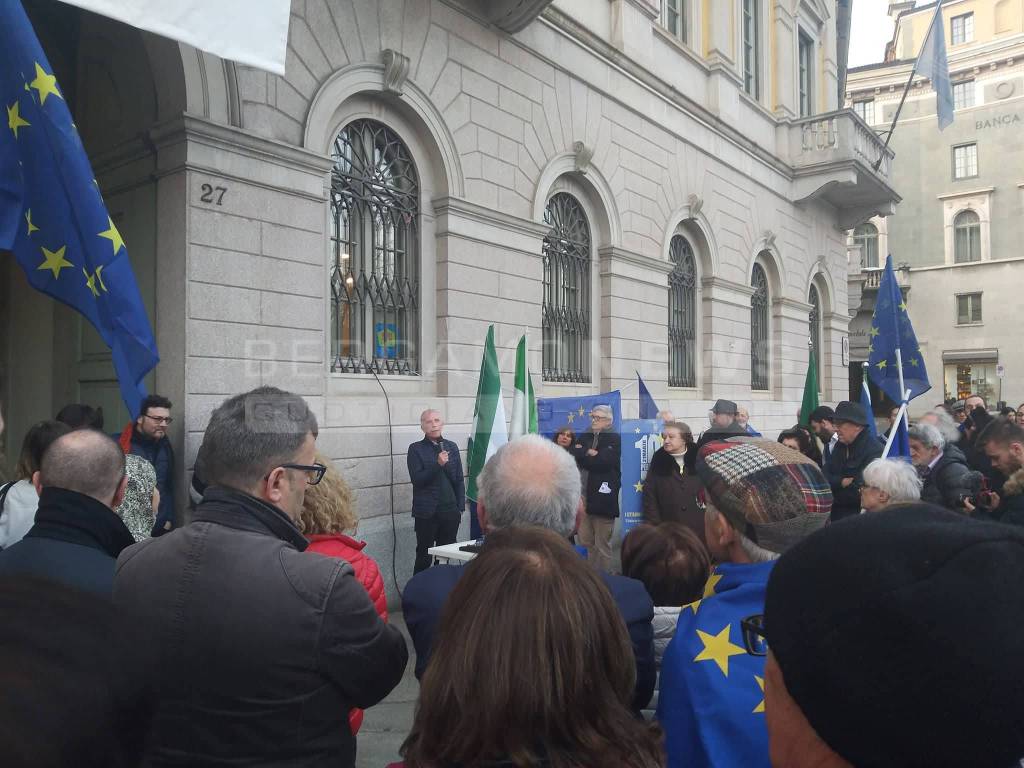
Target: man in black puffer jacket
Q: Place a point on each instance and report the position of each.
(947, 478)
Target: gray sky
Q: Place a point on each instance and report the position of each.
(871, 29)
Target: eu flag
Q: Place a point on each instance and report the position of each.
(554, 413)
(891, 331)
(648, 408)
(711, 691)
(52, 214)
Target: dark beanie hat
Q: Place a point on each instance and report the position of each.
(900, 634)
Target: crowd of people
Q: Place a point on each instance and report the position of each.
(759, 617)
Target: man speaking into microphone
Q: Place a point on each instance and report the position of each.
(438, 488)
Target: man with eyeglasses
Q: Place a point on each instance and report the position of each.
(599, 456)
(263, 648)
(147, 437)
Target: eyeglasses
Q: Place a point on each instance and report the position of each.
(599, 416)
(159, 419)
(314, 472)
(753, 635)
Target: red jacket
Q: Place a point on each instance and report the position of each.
(368, 574)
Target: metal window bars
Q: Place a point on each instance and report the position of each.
(682, 302)
(565, 308)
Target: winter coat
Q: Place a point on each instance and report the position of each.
(264, 649)
(948, 480)
(664, 623)
(367, 573)
(75, 541)
(18, 513)
(604, 473)
(427, 475)
(160, 454)
(1011, 501)
(720, 433)
(670, 494)
(850, 461)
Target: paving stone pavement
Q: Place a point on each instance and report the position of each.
(386, 725)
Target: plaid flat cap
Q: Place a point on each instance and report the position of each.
(772, 494)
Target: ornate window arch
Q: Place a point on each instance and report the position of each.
(566, 306)
(866, 237)
(682, 314)
(814, 330)
(760, 301)
(375, 256)
(966, 237)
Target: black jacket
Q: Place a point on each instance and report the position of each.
(264, 648)
(427, 475)
(721, 433)
(604, 472)
(948, 480)
(425, 595)
(850, 461)
(75, 541)
(670, 496)
(1011, 500)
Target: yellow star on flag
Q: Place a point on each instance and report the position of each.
(914, 362)
(113, 235)
(31, 227)
(693, 606)
(874, 331)
(15, 120)
(99, 276)
(90, 282)
(718, 648)
(882, 364)
(582, 410)
(55, 261)
(871, 349)
(759, 707)
(45, 84)
(638, 487)
(903, 305)
(571, 416)
(709, 588)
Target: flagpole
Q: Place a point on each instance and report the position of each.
(906, 89)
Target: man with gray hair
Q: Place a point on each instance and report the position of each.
(531, 482)
(889, 481)
(599, 456)
(948, 428)
(264, 649)
(77, 536)
(943, 468)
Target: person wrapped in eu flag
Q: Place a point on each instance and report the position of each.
(762, 498)
(52, 215)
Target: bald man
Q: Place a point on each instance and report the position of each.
(77, 536)
(438, 488)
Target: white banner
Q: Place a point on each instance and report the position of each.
(247, 31)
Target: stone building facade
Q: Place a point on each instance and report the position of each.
(661, 187)
(957, 232)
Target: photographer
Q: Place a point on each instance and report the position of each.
(1003, 444)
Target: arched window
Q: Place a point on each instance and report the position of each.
(566, 304)
(814, 320)
(866, 236)
(966, 237)
(375, 253)
(759, 330)
(682, 314)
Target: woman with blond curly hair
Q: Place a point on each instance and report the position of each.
(327, 513)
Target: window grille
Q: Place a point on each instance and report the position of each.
(759, 330)
(814, 320)
(374, 276)
(682, 312)
(566, 302)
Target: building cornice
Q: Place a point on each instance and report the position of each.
(467, 210)
(966, 193)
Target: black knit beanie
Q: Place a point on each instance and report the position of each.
(900, 635)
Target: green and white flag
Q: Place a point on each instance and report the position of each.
(489, 431)
(524, 404)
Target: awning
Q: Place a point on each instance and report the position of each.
(971, 356)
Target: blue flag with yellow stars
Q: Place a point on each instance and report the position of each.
(555, 413)
(891, 330)
(711, 694)
(52, 215)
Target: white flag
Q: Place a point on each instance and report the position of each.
(932, 63)
(247, 31)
